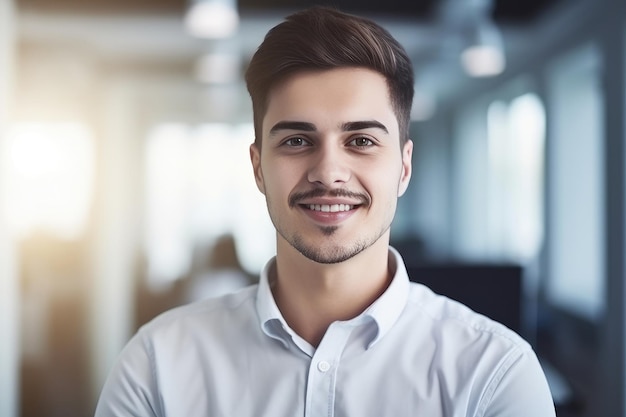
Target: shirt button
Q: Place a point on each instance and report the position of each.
(323, 366)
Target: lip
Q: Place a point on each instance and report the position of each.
(328, 207)
(330, 201)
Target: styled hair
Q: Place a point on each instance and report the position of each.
(322, 38)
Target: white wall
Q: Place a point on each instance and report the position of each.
(429, 195)
(9, 295)
(470, 183)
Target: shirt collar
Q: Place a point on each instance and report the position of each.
(270, 317)
(385, 311)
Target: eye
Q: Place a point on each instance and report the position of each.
(361, 142)
(296, 141)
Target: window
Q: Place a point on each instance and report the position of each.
(498, 159)
(50, 174)
(576, 213)
(516, 136)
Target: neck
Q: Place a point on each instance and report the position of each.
(311, 295)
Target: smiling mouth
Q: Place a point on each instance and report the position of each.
(325, 201)
(330, 208)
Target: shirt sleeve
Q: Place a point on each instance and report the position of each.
(519, 391)
(130, 389)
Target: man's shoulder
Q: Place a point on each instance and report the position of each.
(453, 319)
(205, 313)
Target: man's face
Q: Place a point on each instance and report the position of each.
(331, 166)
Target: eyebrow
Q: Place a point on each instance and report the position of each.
(362, 125)
(310, 127)
(289, 125)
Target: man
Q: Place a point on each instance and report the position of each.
(334, 327)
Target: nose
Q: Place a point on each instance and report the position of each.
(330, 167)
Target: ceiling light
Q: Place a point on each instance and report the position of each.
(484, 56)
(212, 19)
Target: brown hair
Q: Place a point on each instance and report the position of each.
(324, 38)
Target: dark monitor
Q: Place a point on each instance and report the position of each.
(492, 290)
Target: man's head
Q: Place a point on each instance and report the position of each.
(331, 95)
(322, 39)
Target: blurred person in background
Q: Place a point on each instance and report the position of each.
(334, 326)
(219, 272)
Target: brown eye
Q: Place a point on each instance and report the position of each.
(296, 141)
(362, 142)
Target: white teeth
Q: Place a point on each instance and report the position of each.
(328, 208)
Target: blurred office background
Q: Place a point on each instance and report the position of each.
(125, 179)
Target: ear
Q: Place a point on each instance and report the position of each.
(255, 158)
(405, 177)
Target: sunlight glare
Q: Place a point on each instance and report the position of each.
(50, 178)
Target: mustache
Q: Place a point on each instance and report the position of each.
(297, 197)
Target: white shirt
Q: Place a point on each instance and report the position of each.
(411, 353)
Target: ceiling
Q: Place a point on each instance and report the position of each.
(152, 30)
(504, 11)
(510, 11)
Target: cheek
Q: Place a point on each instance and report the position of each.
(384, 176)
(279, 181)
(385, 184)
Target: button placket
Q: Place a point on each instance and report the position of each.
(320, 395)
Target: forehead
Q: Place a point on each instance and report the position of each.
(330, 97)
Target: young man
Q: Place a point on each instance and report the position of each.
(334, 327)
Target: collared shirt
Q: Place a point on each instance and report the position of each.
(411, 353)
